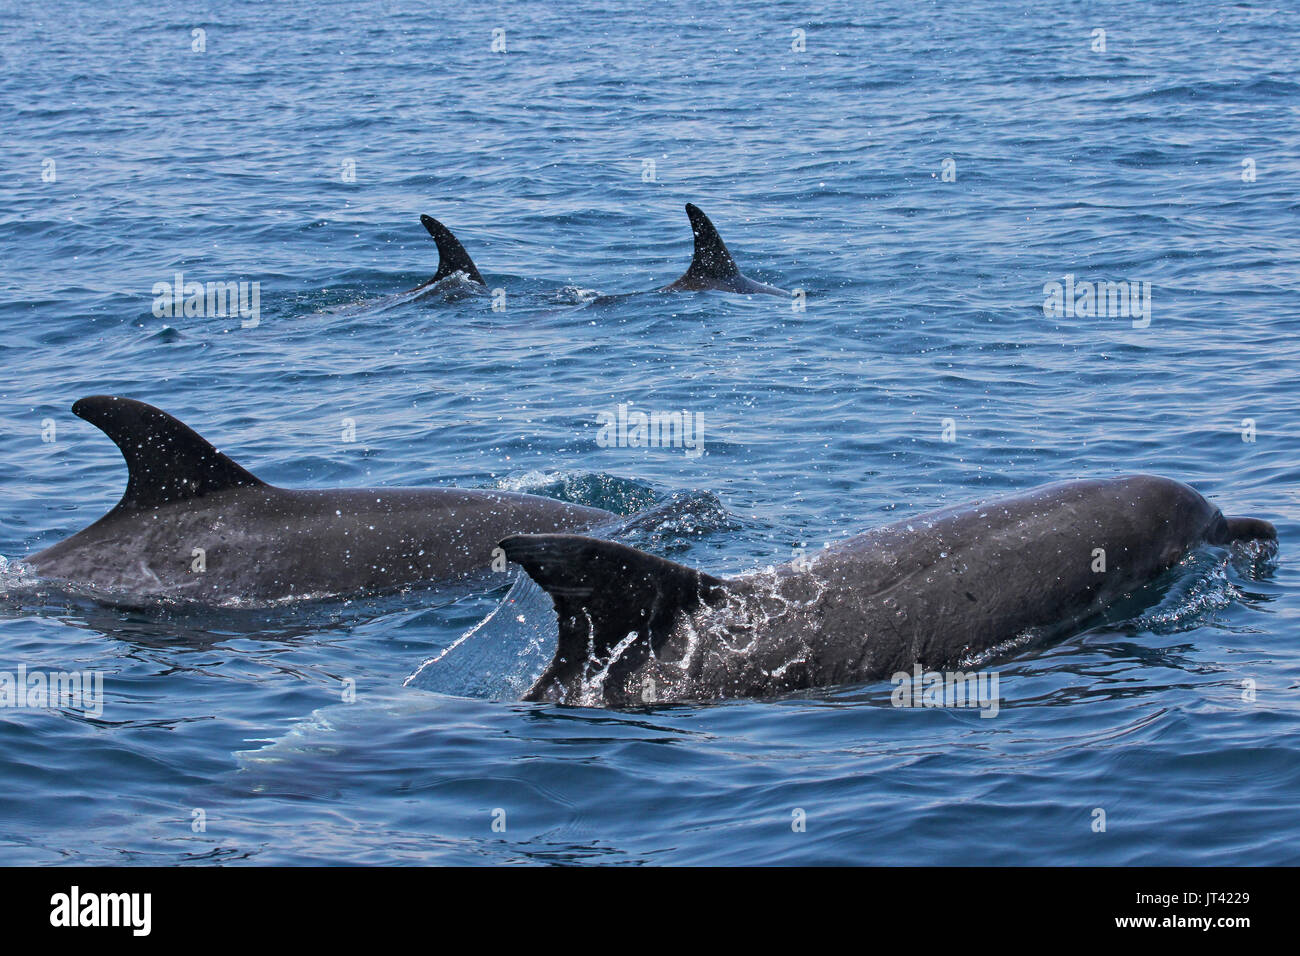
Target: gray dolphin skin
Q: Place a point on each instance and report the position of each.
(194, 524)
(712, 266)
(935, 590)
(452, 257)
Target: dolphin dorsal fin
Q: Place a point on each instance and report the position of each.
(166, 460)
(452, 256)
(712, 261)
(604, 592)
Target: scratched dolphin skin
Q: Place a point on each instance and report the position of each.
(934, 590)
(192, 523)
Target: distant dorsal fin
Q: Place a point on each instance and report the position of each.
(452, 256)
(166, 460)
(603, 592)
(712, 262)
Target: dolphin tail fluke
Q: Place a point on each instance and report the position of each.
(603, 593)
(166, 460)
(452, 256)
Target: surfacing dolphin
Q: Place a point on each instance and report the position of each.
(452, 257)
(934, 590)
(192, 523)
(712, 266)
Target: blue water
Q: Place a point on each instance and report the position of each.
(823, 170)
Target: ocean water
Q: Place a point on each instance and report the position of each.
(298, 148)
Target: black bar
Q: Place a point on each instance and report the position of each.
(327, 906)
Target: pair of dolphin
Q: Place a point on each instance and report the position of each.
(936, 589)
(712, 265)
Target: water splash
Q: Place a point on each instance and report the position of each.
(574, 295)
(501, 656)
(594, 489)
(15, 575)
(1207, 582)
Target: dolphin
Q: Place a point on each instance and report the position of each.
(937, 590)
(194, 524)
(452, 257)
(712, 266)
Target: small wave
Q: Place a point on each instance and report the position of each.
(1215, 91)
(594, 489)
(1205, 586)
(674, 523)
(168, 333)
(574, 295)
